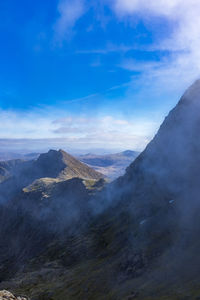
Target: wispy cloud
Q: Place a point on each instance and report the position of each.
(70, 11)
(177, 69)
(182, 64)
(164, 7)
(110, 48)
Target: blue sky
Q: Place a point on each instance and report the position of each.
(93, 74)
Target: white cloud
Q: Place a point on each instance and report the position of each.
(25, 125)
(70, 11)
(107, 131)
(182, 66)
(75, 131)
(164, 7)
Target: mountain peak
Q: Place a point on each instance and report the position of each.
(63, 165)
(192, 94)
(128, 153)
(171, 159)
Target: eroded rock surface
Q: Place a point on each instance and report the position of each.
(5, 295)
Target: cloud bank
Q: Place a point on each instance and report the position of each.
(75, 132)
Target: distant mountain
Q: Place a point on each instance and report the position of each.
(60, 164)
(55, 165)
(4, 156)
(111, 165)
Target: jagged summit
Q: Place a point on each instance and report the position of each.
(55, 165)
(63, 165)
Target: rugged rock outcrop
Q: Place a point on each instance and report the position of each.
(5, 295)
(59, 164)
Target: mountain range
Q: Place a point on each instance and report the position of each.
(111, 165)
(135, 238)
(5, 155)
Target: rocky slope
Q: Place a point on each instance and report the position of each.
(57, 165)
(63, 165)
(141, 240)
(39, 200)
(7, 167)
(5, 295)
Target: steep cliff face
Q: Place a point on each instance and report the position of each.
(169, 166)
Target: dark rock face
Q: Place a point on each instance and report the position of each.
(49, 164)
(160, 191)
(168, 168)
(61, 164)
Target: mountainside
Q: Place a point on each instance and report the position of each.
(111, 165)
(54, 182)
(16, 174)
(140, 238)
(61, 164)
(6, 168)
(169, 164)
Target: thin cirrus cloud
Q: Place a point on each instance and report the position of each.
(181, 66)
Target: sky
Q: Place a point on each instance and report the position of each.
(93, 74)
